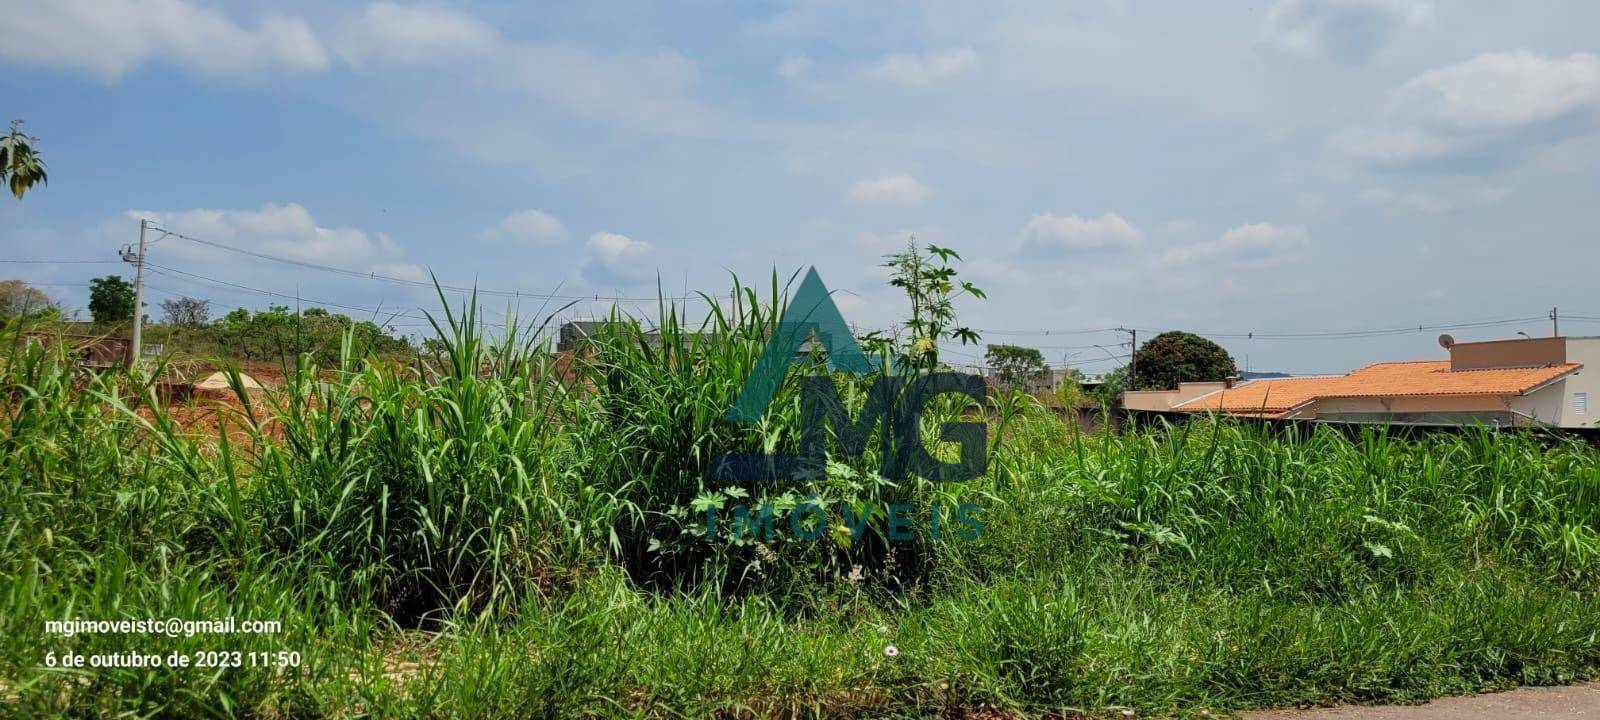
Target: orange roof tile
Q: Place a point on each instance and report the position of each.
(1434, 377)
(1276, 397)
(1262, 397)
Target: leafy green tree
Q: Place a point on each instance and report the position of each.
(1015, 366)
(1109, 393)
(110, 299)
(1174, 357)
(931, 283)
(20, 165)
(280, 332)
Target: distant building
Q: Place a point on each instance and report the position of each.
(572, 335)
(95, 351)
(575, 333)
(1032, 384)
(1538, 381)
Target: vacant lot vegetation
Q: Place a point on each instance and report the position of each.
(490, 533)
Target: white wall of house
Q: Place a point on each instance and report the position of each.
(1570, 401)
(1411, 404)
(1544, 404)
(1164, 400)
(1432, 409)
(1551, 405)
(1586, 381)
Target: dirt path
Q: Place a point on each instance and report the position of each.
(1570, 702)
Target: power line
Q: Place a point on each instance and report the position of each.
(231, 306)
(1216, 334)
(1285, 335)
(1346, 334)
(185, 275)
(1290, 335)
(1082, 331)
(420, 284)
(196, 278)
(1067, 347)
(1093, 360)
(1309, 335)
(62, 262)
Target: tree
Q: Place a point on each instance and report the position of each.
(1109, 393)
(19, 299)
(1017, 367)
(930, 283)
(110, 299)
(280, 332)
(187, 311)
(1174, 357)
(20, 165)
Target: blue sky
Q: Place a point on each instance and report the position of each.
(1266, 167)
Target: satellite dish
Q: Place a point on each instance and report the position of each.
(1445, 341)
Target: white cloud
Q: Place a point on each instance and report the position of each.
(1396, 147)
(1344, 30)
(890, 190)
(794, 66)
(230, 279)
(109, 38)
(614, 257)
(1500, 90)
(1047, 232)
(1250, 245)
(535, 227)
(926, 69)
(287, 231)
(1434, 203)
(401, 34)
(1480, 111)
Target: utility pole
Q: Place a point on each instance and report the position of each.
(138, 295)
(1133, 357)
(1555, 323)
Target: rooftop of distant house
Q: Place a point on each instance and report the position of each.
(1502, 382)
(1278, 396)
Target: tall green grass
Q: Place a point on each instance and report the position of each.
(651, 422)
(499, 531)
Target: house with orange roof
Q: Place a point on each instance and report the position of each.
(1533, 381)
